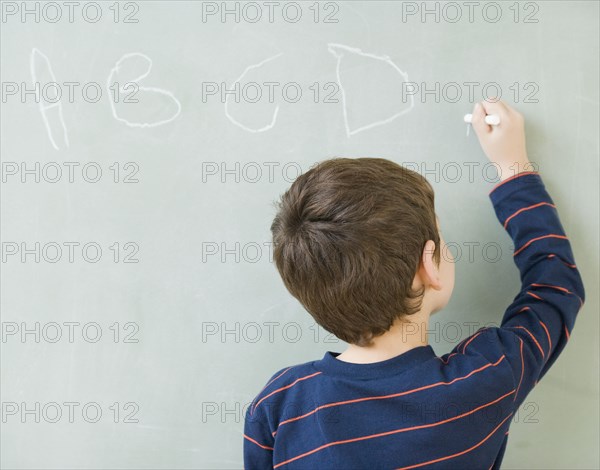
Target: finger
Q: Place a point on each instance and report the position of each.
(478, 120)
(496, 107)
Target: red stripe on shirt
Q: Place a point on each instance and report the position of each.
(539, 204)
(553, 287)
(518, 175)
(548, 335)
(258, 444)
(562, 289)
(534, 295)
(533, 338)
(395, 431)
(472, 338)
(446, 362)
(286, 387)
(459, 453)
(552, 235)
(468, 339)
(393, 395)
(563, 262)
(274, 379)
(522, 370)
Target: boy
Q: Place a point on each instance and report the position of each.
(357, 243)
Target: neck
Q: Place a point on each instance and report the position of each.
(401, 337)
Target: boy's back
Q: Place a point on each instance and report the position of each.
(418, 410)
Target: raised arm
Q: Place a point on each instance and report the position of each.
(536, 326)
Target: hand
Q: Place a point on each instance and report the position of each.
(503, 144)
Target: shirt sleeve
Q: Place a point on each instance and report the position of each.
(537, 325)
(258, 440)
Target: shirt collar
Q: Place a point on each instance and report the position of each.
(382, 369)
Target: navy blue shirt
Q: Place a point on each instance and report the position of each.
(418, 410)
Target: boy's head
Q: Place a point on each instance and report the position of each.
(356, 241)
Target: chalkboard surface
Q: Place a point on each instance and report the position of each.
(143, 146)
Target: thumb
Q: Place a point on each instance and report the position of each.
(478, 121)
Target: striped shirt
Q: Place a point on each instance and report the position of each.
(418, 410)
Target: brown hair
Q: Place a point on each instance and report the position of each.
(348, 238)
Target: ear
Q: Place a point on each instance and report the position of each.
(430, 274)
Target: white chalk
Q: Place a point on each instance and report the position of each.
(491, 119)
